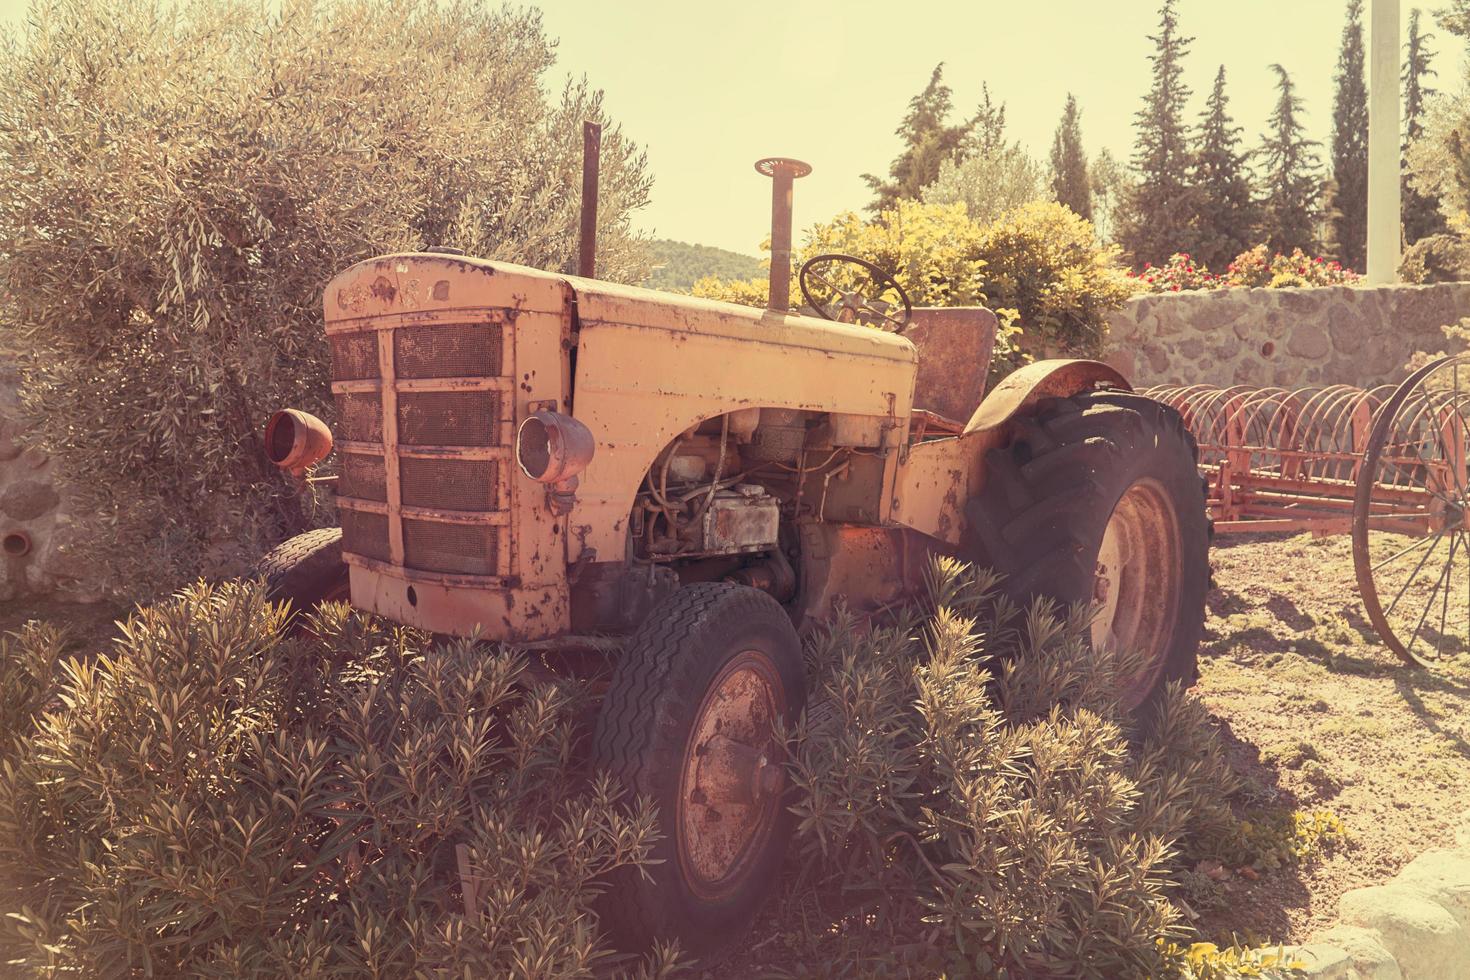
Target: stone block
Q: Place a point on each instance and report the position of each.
(1302, 301)
(1349, 331)
(1191, 349)
(1308, 339)
(1425, 939)
(1443, 877)
(1217, 310)
(1158, 362)
(1369, 959)
(28, 499)
(1320, 961)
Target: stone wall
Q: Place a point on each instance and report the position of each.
(1416, 925)
(34, 525)
(1326, 335)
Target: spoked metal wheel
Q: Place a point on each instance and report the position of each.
(732, 776)
(1136, 584)
(1411, 516)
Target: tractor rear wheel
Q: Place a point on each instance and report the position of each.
(306, 570)
(689, 722)
(1098, 500)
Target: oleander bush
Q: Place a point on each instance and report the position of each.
(178, 182)
(971, 805)
(214, 798)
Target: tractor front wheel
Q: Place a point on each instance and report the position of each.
(690, 722)
(307, 570)
(1098, 500)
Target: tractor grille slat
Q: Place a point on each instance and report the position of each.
(363, 477)
(448, 484)
(451, 350)
(446, 420)
(354, 356)
(460, 549)
(365, 534)
(360, 416)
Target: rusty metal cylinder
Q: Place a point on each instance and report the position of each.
(783, 172)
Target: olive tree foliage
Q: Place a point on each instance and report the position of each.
(1438, 158)
(179, 182)
(988, 184)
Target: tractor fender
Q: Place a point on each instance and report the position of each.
(1041, 379)
(938, 476)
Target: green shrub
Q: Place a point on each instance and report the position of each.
(213, 799)
(178, 182)
(1044, 261)
(971, 805)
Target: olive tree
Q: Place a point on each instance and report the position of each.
(179, 181)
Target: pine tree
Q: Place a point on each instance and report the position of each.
(1225, 206)
(1110, 185)
(1069, 183)
(1291, 174)
(1421, 214)
(928, 141)
(985, 132)
(1349, 218)
(1155, 220)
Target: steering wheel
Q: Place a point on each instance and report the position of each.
(853, 306)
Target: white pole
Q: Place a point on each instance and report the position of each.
(1383, 143)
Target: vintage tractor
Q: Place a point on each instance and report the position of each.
(686, 485)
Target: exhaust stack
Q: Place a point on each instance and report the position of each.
(782, 171)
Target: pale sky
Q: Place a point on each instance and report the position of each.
(709, 87)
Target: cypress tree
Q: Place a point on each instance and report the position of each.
(1421, 215)
(928, 140)
(1291, 179)
(1226, 212)
(1155, 220)
(1349, 218)
(1069, 183)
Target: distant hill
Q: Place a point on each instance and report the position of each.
(679, 265)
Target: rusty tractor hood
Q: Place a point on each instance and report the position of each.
(414, 282)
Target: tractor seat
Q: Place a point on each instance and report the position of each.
(955, 344)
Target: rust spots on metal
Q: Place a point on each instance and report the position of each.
(731, 782)
(383, 290)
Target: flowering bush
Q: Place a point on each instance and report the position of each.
(1300, 269)
(1252, 268)
(1179, 273)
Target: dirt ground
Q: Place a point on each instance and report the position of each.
(88, 625)
(1319, 715)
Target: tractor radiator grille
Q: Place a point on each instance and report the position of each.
(460, 549)
(365, 534)
(363, 478)
(448, 418)
(448, 484)
(452, 388)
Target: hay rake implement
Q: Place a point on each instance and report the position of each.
(1386, 464)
